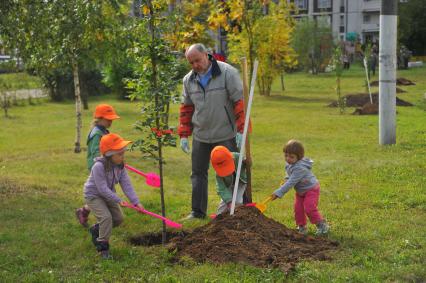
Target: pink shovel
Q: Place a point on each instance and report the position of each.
(167, 221)
(151, 179)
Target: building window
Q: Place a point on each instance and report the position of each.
(367, 19)
(324, 4)
(342, 20)
(301, 4)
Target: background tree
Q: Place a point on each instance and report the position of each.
(338, 69)
(265, 36)
(190, 24)
(313, 42)
(412, 26)
(155, 85)
(57, 37)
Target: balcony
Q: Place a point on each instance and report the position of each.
(371, 6)
(370, 27)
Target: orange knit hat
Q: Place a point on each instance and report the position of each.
(112, 142)
(222, 161)
(105, 111)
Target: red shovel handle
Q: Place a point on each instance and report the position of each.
(134, 170)
(168, 222)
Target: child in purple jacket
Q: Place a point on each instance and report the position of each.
(100, 194)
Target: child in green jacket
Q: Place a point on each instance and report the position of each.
(225, 163)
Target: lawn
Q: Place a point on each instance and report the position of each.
(373, 196)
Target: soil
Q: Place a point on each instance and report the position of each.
(360, 99)
(250, 237)
(399, 81)
(155, 238)
(367, 109)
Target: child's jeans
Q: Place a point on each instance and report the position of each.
(108, 215)
(307, 205)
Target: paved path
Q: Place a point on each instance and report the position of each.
(26, 93)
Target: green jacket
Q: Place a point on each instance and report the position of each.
(225, 185)
(93, 140)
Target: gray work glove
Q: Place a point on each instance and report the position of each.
(184, 145)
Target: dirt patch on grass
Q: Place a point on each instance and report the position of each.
(252, 238)
(367, 109)
(399, 81)
(155, 238)
(360, 99)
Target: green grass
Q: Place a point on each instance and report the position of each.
(373, 196)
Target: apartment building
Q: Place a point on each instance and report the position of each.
(353, 18)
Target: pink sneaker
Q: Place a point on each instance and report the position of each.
(82, 215)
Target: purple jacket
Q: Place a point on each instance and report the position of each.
(101, 185)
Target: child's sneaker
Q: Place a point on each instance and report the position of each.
(103, 248)
(322, 228)
(302, 230)
(82, 215)
(94, 231)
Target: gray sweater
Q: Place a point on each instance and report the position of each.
(102, 185)
(299, 176)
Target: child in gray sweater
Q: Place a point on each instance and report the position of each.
(299, 176)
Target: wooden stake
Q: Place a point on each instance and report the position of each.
(247, 198)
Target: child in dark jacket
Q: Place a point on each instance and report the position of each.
(299, 176)
(103, 117)
(99, 190)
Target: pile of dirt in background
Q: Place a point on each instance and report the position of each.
(367, 109)
(360, 99)
(399, 81)
(252, 238)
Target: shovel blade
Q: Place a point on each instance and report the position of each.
(153, 180)
(261, 207)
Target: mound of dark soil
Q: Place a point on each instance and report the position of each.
(252, 238)
(399, 81)
(360, 99)
(367, 109)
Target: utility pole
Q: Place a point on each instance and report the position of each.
(387, 72)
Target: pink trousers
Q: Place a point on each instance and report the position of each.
(307, 205)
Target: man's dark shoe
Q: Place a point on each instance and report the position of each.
(82, 215)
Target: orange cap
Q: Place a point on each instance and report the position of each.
(222, 161)
(105, 111)
(112, 142)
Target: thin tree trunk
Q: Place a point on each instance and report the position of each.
(157, 116)
(282, 81)
(77, 148)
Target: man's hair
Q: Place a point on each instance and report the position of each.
(198, 46)
(294, 147)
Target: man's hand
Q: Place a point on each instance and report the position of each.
(184, 145)
(274, 197)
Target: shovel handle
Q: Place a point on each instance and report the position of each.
(135, 170)
(144, 211)
(268, 199)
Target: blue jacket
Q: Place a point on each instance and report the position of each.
(299, 176)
